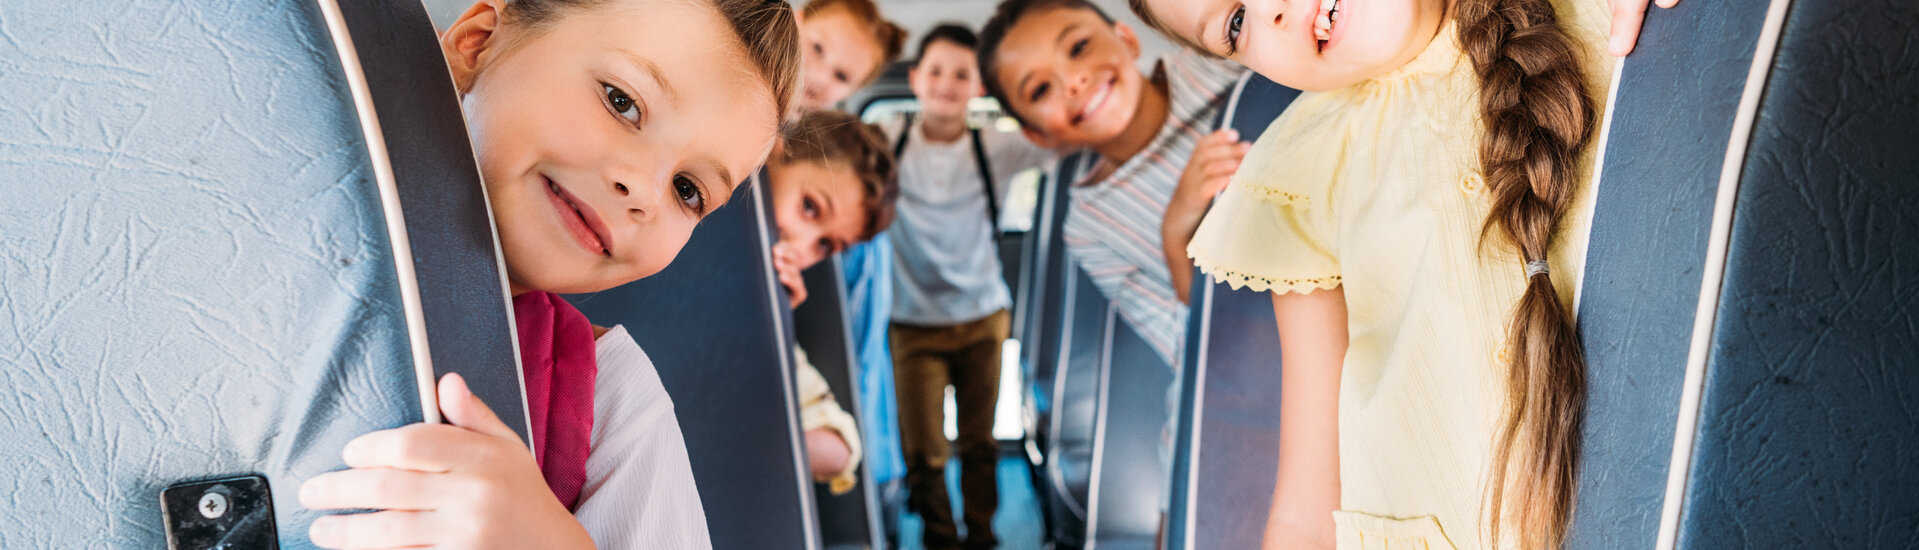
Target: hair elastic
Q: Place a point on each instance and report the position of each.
(1535, 268)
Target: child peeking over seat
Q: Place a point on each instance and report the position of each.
(1070, 74)
(846, 44)
(832, 182)
(604, 131)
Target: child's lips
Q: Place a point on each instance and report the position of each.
(1096, 102)
(580, 219)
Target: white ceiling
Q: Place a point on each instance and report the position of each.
(917, 16)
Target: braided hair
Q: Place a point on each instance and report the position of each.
(1537, 115)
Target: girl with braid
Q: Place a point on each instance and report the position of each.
(1417, 217)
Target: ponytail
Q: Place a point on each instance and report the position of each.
(1538, 116)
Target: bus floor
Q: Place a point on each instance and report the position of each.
(1017, 523)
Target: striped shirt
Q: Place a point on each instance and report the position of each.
(1113, 227)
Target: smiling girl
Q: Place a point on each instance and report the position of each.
(845, 43)
(1415, 217)
(604, 130)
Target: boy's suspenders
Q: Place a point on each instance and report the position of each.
(979, 161)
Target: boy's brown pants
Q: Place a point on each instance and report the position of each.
(925, 361)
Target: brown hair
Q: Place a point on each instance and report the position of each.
(890, 37)
(833, 137)
(765, 28)
(1538, 115)
(1005, 16)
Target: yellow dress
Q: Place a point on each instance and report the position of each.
(1375, 187)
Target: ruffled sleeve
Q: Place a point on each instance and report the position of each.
(1273, 227)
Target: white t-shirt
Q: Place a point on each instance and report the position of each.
(946, 261)
(639, 490)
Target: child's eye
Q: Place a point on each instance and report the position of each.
(1079, 47)
(1233, 22)
(841, 76)
(689, 194)
(1040, 92)
(963, 76)
(809, 208)
(622, 104)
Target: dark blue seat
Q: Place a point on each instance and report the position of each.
(822, 327)
(202, 275)
(1747, 296)
(1228, 439)
(716, 326)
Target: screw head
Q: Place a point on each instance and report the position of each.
(213, 505)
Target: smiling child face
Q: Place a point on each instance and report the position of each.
(605, 135)
(1311, 45)
(840, 53)
(1071, 76)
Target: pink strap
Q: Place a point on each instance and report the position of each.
(559, 365)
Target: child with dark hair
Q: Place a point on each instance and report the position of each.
(1070, 74)
(833, 185)
(950, 301)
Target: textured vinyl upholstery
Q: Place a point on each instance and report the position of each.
(1228, 444)
(195, 272)
(821, 327)
(1809, 420)
(719, 332)
(1677, 97)
(1129, 477)
(1805, 429)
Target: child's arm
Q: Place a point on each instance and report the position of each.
(468, 484)
(1312, 335)
(1626, 17)
(1215, 158)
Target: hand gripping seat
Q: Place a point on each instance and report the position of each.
(226, 250)
(1227, 450)
(717, 327)
(1747, 307)
(822, 328)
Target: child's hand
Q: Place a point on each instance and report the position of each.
(471, 484)
(1626, 17)
(788, 269)
(1215, 158)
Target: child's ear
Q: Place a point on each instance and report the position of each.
(1038, 138)
(1127, 37)
(467, 39)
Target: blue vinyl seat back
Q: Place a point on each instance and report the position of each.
(1074, 423)
(195, 265)
(1129, 474)
(1807, 430)
(1044, 278)
(718, 330)
(1227, 458)
(1803, 436)
(821, 326)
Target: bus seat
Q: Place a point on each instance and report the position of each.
(820, 326)
(198, 275)
(1228, 444)
(1793, 209)
(1042, 280)
(716, 325)
(1128, 477)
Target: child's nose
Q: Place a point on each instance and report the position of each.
(640, 204)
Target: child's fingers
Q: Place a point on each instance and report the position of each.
(390, 529)
(465, 410)
(418, 447)
(1626, 18)
(1668, 3)
(372, 488)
